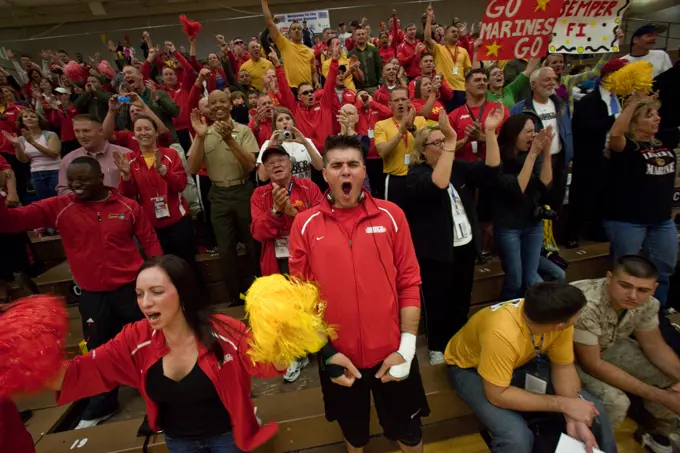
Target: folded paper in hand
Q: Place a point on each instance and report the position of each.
(568, 444)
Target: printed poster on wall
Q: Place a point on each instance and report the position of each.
(316, 20)
(588, 26)
(517, 28)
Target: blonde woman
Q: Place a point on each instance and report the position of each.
(444, 226)
(640, 189)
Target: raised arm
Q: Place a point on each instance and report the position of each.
(285, 94)
(491, 125)
(617, 134)
(441, 176)
(269, 20)
(196, 153)
(427, 33)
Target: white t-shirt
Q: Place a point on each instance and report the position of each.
(299, 158)
(462, 230)
(548, 115)
(658, 58)
(39, 161)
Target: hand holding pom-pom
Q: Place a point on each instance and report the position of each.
(32, 339)
(286, 319)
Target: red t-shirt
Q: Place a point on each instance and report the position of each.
(464, 116)
(418, 104)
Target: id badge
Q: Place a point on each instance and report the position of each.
(371, 134)
(160, 207)
(462, 225)
(407, 159)
(281, 245)
(475, 147)
(535, 384)
(455, 70)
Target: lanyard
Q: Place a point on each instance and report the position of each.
(538, 348)
(290, 187)
(481, 112)
(396, 124)
(454, 57)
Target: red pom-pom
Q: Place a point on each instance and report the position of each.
(76, 73)
(190, 28)
(32, 339)
(106, 70)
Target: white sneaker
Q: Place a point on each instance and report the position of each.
(436, 358)
(657, 443)
(94, 422)
(293, 371)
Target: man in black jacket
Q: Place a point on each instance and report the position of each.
(594, 115)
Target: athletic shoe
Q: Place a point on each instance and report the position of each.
(656, 443)
(293, 371)
(436, 358)
(94, 422)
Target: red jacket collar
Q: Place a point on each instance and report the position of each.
(369, 204)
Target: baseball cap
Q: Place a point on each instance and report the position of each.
(649, 29)
(274, 149)
(61, 90)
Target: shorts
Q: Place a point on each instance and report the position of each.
(399, 406)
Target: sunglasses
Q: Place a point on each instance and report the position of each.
(238, 42)
(306, 92)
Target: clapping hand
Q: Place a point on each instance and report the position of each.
(152, 89)
(539, 143)
(474, 131)
(225, 129)
(169, 47)
(123, 164)
(407, 121)
(12, 139)
(198, 123)
(495, 117)
(158, 163)
(450, 136)
(280, 196)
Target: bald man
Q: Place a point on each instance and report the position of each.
(229, 150)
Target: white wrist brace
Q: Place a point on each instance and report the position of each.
(407, 349)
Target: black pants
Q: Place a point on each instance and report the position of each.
(104, 314)
(447, 290)
(395, 190)
(179, 240)
(207, 232)
(22, 172)
(376, 177)
(399, 406)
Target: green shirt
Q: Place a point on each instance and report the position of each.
(508, 93)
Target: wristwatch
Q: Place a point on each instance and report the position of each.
(276, 213)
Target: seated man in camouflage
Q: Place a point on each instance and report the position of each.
(612, 364)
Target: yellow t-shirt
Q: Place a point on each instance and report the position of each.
(496, 341)
(443, 60)
(349, 80)
(257, 71)
(297, 60)
(385, 130)
(150, 159)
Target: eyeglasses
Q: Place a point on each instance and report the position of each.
(307, 92)
(436, 143)
(238, 42)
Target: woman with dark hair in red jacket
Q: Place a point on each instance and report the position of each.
(426, 98)
(195, 367)
(155, 177)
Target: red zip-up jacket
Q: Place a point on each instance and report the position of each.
(373, 275)
(146, 183)
(267, 227)
(97, 236)
(181, 93)
(368, 116)
(62, 119)
(262, 130)
(319, 121)
(127, 358)
(8, 122)
(409, 59)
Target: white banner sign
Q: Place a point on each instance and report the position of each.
(588, 26)
(316, 20)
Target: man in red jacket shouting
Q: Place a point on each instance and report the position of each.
(375, 306)
(98, 229)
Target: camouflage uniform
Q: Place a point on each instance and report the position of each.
(599, 324)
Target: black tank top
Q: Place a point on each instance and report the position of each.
(188, 409)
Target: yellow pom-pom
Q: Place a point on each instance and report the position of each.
(632, 78)
(286, 319)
